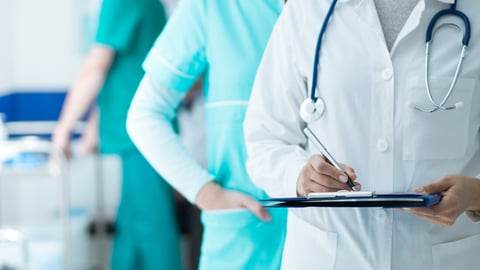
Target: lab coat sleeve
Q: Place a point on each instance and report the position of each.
(149, 126)
(273, 128)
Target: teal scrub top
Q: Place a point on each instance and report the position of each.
(224, 40)
(130, 28)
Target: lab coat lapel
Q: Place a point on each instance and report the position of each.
(367, 12)
(416, 16)
(412, 22)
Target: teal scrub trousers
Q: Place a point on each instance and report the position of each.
(146, 233)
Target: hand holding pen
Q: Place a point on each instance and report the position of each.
(323, 173)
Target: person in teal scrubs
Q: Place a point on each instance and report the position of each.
(223, 41)
(146, 235)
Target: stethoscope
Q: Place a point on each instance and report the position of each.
(313, 107)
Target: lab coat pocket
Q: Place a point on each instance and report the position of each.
(460, 254)
(441, 134)
(308, 247)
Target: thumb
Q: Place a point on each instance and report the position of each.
(434, 188)
(256, 208)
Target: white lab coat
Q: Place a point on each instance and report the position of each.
(368, 125)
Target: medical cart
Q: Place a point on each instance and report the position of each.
(34, 205)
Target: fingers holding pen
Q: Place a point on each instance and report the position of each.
(350, 171)
(320, 164)
(318, 175)
(352, 176)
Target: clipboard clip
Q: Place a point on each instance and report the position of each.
(340, 194)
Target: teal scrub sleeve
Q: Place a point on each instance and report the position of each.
(118, 20)
(149, 126)
(178, 55)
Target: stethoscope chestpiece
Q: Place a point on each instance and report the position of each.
(312, 110)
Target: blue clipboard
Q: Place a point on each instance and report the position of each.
(361, 199)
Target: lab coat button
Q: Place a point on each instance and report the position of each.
(387, 74)
(381, 215)
(382, 145)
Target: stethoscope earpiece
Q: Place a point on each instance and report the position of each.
(312, 111)
(411, 105)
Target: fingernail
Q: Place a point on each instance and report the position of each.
(343, 178)
(358, 187)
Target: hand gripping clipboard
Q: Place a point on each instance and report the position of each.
(356, 199)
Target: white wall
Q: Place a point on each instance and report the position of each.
(42, 43)
(6, 47)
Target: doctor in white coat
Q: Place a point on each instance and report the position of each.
(370, 72)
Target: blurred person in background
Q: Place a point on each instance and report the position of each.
(146, 230)
(88, 141)
(224, 42)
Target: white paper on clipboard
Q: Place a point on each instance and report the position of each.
(341, 193)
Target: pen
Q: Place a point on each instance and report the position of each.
(320, 147)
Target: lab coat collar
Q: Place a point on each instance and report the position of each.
(412, 22)
(366, 14)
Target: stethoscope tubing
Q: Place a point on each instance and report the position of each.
(318, 49)
(451, 11)
(429, 39)
(440, 106)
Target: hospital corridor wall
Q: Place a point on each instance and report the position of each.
(42, 46)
